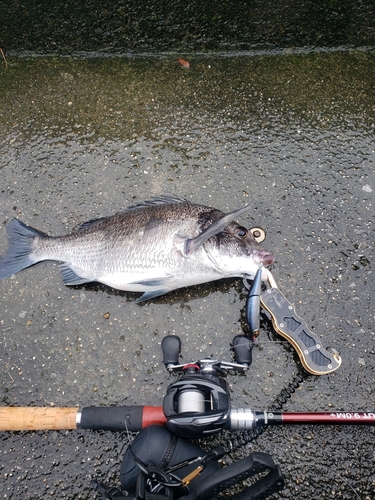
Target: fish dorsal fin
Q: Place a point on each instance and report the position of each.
(92, 222)
(159, 200)
(192, 244)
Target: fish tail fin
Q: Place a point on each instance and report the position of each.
(20, 247)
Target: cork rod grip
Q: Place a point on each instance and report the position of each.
(37, 419)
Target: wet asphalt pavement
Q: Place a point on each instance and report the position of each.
(289, 132)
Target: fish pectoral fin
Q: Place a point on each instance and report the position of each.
(164, 285)
(70, 277)
(193, 243)
(152, 294)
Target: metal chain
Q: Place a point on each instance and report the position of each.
(239, 440)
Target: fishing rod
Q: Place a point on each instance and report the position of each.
(196, 405)
(135, 418)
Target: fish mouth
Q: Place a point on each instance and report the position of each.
(264, 258)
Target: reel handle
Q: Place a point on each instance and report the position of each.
(171, 347)
(242, 347)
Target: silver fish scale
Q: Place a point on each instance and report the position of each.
(121, 241)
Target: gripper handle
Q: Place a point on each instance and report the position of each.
(37, 418)
(315, 358)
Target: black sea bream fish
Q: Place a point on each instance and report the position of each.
(153, 247)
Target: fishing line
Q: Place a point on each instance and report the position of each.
(191, 401)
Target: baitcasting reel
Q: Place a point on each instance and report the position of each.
(198, 403)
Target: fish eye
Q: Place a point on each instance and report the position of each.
(258, 233)
(241, 232)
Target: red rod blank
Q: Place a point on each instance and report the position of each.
(333, 418)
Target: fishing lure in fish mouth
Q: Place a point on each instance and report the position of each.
(153, 247)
